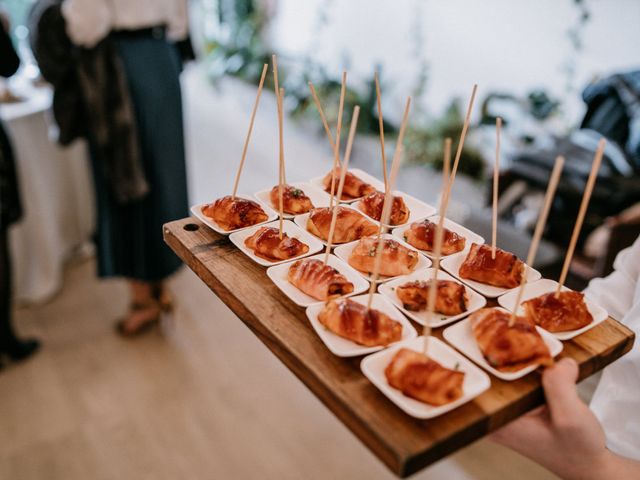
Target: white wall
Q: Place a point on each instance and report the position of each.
(512, 45)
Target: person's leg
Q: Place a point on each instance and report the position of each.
(9, 343)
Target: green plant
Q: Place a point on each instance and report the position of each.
(425, 144)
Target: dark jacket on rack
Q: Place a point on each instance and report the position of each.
(10, 208)
(91, 99)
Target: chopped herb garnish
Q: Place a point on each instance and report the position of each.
(457, 366)
(296, 192)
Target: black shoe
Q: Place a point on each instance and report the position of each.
(21, 349)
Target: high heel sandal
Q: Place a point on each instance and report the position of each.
(121, 325)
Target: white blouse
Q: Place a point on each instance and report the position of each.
(89, 21)
(615, 401)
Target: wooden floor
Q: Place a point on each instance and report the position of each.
(203, 398)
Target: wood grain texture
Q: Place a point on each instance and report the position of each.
(403, 443)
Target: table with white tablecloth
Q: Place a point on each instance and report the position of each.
(57, 196)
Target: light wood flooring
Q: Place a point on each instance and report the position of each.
(200, 399)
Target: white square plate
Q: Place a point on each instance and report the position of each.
(475, 380)
(317, 196)
(301, 221)
(417, 208)
(470, 236)
(278, 275)
(475, 300)
(461, 336)
(452, 265)
(344, 251)
(361, 174)
(535, 289)
(288, 227)
(346, 348)
(196, 210)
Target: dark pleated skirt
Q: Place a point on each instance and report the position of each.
(129, 237)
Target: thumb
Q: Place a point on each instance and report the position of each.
(559, 384)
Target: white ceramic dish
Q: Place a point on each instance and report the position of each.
(452, 265)
(475, 380)
(278, 275)
(344, 251)
(196, 210)
(318, 197)
(417, 208)
(475, 300)
(364, 176)
(288, 227)
(470, 236)
(301, 221)
(535, 289)
(461, 337)
(346, 348)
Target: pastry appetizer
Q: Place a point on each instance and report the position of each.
(422, 235)
(373, 203)
(506, 348)
(318, 280)
(417, 376)
(451, 297)
(504, 271)
(558, 313)
(353, 186)
(294, 200)
(396, 258)
(266, 243)
(233, 213)
(355, 322)
(350, 225)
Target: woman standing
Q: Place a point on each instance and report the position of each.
(129, 235)
(10, 211)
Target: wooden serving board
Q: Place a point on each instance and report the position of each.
(403, 443)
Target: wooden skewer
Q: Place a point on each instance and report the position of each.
(439, 238)
(343, 174)
(248, 137)
(496, 172)
(537, 234)
(403, 127)
(281, 177)
(446, 165)
(336, 146)
(593, 176)
(381, 128)
(325, 124)
(456, 161)
(448, 179)
(384, 219)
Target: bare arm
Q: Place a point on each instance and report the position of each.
(565, 436)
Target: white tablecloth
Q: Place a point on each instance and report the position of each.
(56, 193)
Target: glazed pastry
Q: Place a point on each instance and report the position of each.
(318, 280)
(353, 186)
(266, 243)
(560, 312)
(373, 204)
(350, 225)
(294, 200)
(422, 235)
(396, 258)
(504, 271)
(451, 297)
(233, 213)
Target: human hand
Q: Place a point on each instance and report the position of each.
(564, 435)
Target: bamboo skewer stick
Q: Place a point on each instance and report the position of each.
(325, 124)
(496, 172)
(336, 146)
(281, 177)
(446, 166)
(384, 219)
(537, 234)
(448, 179)
(343, 174)
(403, 127)
(381, 128)
(248, 137)
(593, 176)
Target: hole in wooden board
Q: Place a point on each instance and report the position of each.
(191, 227)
